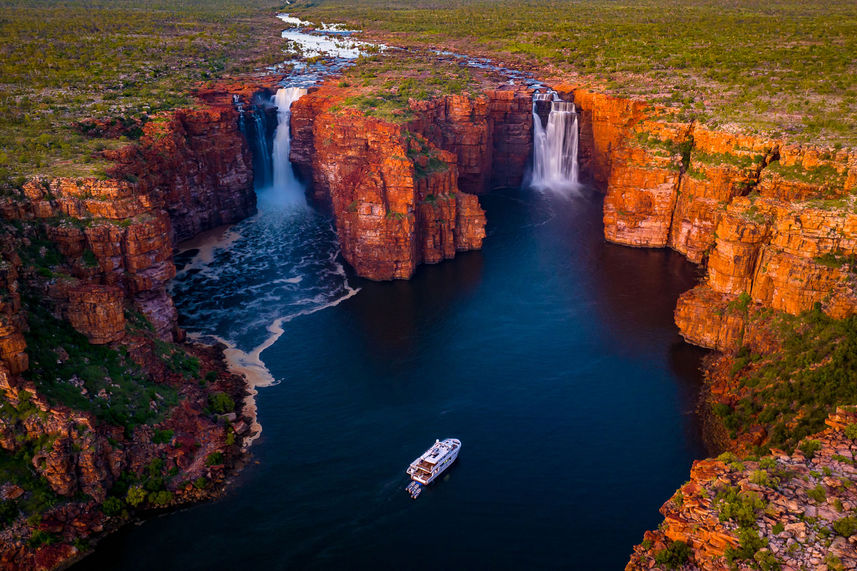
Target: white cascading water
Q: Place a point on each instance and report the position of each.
(555, 146)
(284, 175)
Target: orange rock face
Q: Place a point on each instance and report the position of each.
(641, 196)
(721, 166)
(704, 318)
(604, 125)
(97, 312)
(395, 194)
(794, 526)
(197, 164)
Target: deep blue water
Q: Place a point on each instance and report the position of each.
(552, 355)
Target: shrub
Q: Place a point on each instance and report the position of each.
(674, 556)
(8, 511)
(809, 448)
(214, 459)
(161, 498)
(817, 493)
(846, 526)
(851, 431)
(40, 538)
(112, 506)
(221, 403)
(163, 436)
(759, 477)
(136, 496)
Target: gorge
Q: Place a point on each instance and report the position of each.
(311, 214)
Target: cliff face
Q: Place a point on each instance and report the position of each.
(795, 510)
(395, 194)
(511, 113)
(103, 409)
(197, 164)
(116, 237)
(772, 225)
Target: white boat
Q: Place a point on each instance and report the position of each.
(434, 461)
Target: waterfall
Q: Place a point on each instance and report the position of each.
(260, 129)
(554, 146)
(284, 176)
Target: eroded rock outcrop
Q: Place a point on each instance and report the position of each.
(106, 406)
(792, 511)
(197, 164)
(395, 194)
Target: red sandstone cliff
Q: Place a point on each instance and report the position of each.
(772, 225)
(395, 194)
(97, 254)
(197, 164)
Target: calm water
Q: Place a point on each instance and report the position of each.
(550, 354)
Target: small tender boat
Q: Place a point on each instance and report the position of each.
(425, 469)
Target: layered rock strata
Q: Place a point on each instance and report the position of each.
(788, 511)
(97, 254)
(395, 194)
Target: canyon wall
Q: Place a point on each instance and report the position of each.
(765, 218)
(92, 257)
(774, 229)
(398, 190)
(197, 164)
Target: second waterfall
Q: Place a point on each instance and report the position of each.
(284, 176)
(554, 145)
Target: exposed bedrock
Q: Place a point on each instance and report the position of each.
(97, 253)
(198, 164)
(800, 502)
(774, 229)
(763, 217)
(401, 193)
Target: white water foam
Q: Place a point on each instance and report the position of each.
(555, 146)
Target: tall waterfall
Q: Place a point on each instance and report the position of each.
(554, 146)
(260, 131)
(284, 176)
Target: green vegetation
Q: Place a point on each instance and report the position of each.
(741, 161)
(846, 526)
(818, 493)
(115, 60)
(743, 508)
(18, 469)
(386, 84)
(826, 176)
(67, 369)
(794, 390)
(221, 403)
(426, 160)
(674, 556)
(780, 66)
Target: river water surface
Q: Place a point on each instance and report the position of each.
(552, 355)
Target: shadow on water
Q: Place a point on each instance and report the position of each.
(550, 354)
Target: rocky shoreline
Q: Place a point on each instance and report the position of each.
(771, 225)
(109, 413)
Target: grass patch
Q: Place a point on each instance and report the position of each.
(794, 390)
(69, 370)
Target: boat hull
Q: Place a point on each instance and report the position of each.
(420, 475)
